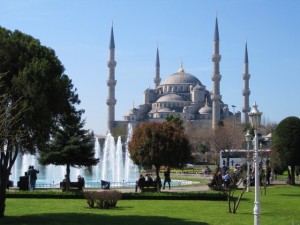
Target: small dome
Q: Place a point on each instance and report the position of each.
(148, 90)
(205, 110)
(170, 98)
(130, 112)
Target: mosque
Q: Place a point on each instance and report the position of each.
(179, 94)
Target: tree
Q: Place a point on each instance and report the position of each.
(286, 141)
(227, 136)
(176, 120)
(37, 93)
(159, 144)
(8, 120)
(72, 145)
(199, 137)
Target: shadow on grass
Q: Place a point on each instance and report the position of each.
(291, 195)
(92, 219)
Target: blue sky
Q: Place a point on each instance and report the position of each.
(79, 32)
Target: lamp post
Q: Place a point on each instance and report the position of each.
(255, 116)
(248, 140)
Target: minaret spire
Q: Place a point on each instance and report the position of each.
(246, 91)
(216, 77)
(111, 83)
(157, 70)
(216, 35)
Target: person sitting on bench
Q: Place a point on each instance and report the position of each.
(148, 181)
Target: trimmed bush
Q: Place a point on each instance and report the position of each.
(102, 199)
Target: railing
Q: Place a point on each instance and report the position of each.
(115, 184)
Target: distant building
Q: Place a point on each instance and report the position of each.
(179, 94)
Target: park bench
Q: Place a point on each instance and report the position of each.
(72, 185)
(150, 187)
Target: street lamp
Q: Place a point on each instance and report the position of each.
(255, 117)
(248, 140)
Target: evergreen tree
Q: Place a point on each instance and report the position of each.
(286, 141)
(71, 145)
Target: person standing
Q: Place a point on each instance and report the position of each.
(167, 177)
(32, 177)
(140, 183)
(81, 182)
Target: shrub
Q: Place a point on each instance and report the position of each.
(102, 199)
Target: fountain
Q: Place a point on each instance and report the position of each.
(115, 166)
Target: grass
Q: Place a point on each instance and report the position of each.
(280, 206)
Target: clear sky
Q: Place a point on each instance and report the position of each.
(79, 32)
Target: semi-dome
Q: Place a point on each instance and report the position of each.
(164, 110)
(181, 77)
(171, 98)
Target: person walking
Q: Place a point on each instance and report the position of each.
(167, 177)
(32, 177)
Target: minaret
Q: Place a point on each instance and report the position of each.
(216, 77)
(157, 70)
(111, 82)
(246, 91)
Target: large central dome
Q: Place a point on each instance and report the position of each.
(181, 77)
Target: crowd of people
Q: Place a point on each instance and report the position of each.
(222, 176)
(225, 177)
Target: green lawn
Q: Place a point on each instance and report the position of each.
(280, 206)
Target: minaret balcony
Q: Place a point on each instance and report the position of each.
(216, 58)
(111, 64)
(111, 83)
(246, 76)
(246, 92)
(111, 101)
(215, 97)
(246, 109)
(157, 80)
(216, 77)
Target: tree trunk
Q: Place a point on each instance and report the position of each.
(229, 203)
(68, 177)
(158, 180)
(4, 181)
(2, 195)
(239, 199)
(7, 160)
(293, 175)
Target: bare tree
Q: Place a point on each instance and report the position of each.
(10, 136)
(199, 137)
(228, 136)
(229, 187)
